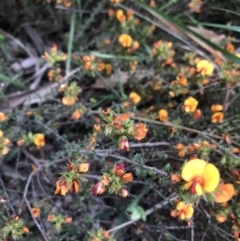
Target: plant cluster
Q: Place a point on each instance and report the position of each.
(125, 112)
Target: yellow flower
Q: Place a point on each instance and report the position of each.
(120, 15)
(224, 193)
(36, 212)
(204, 67)
(71, 100)
(220, 218)
(216, 108)
(83, 167)
(39, 140)
(183, 211)
(190, 104)
(163, 115)
(134, 97)
(217, 117)
(2, 116)
(76, 115)
(200, 176)
(125, 40)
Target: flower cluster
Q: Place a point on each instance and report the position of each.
(58, 220)
(38, 140)
(15, 227)
(69, 181)
(201, 148)
(164, 52)
(127, 42)
(113, 180)
(178, 86)
(99, 235)
(54, 56)
(119, 127)
(200, 178)
(4, 144)
(70, 93)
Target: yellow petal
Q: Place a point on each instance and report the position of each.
(189, 212)
(198, 189)
(211, 178)
(180, 206)
(193, 168)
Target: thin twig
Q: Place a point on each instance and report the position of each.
(153, 169)
(148, 144)
(35, 220)
(6, 194)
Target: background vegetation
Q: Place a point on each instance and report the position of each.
(119, 120)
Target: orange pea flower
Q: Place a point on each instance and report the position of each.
(216, 108)
(67, 219)
(39, 140)
(69, 100)
(134, 97)
(204, 67)
(101, 186)
(118, 120)
(83, 167)
(197, 114)
(75, 187)
(76, 115)
(224, 193)
(175, 178)
(120, 15)
(140, 131)
(125, 40)
(163, 115)
(220, 218)
(2, 116)
(190, 104)
(123, 192)
(183, 211)
(200, 176)
(61, 188)
(36, 212)
(217, 117)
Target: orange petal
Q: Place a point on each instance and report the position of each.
(224, 193)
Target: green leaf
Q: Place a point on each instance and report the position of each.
(222, 26)
(226, 10)
(8, 80)
(138, 213)
(111, 56)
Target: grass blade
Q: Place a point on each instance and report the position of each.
(177, 26)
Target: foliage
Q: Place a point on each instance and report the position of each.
(119, 120)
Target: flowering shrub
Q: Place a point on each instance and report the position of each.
(113, 129)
